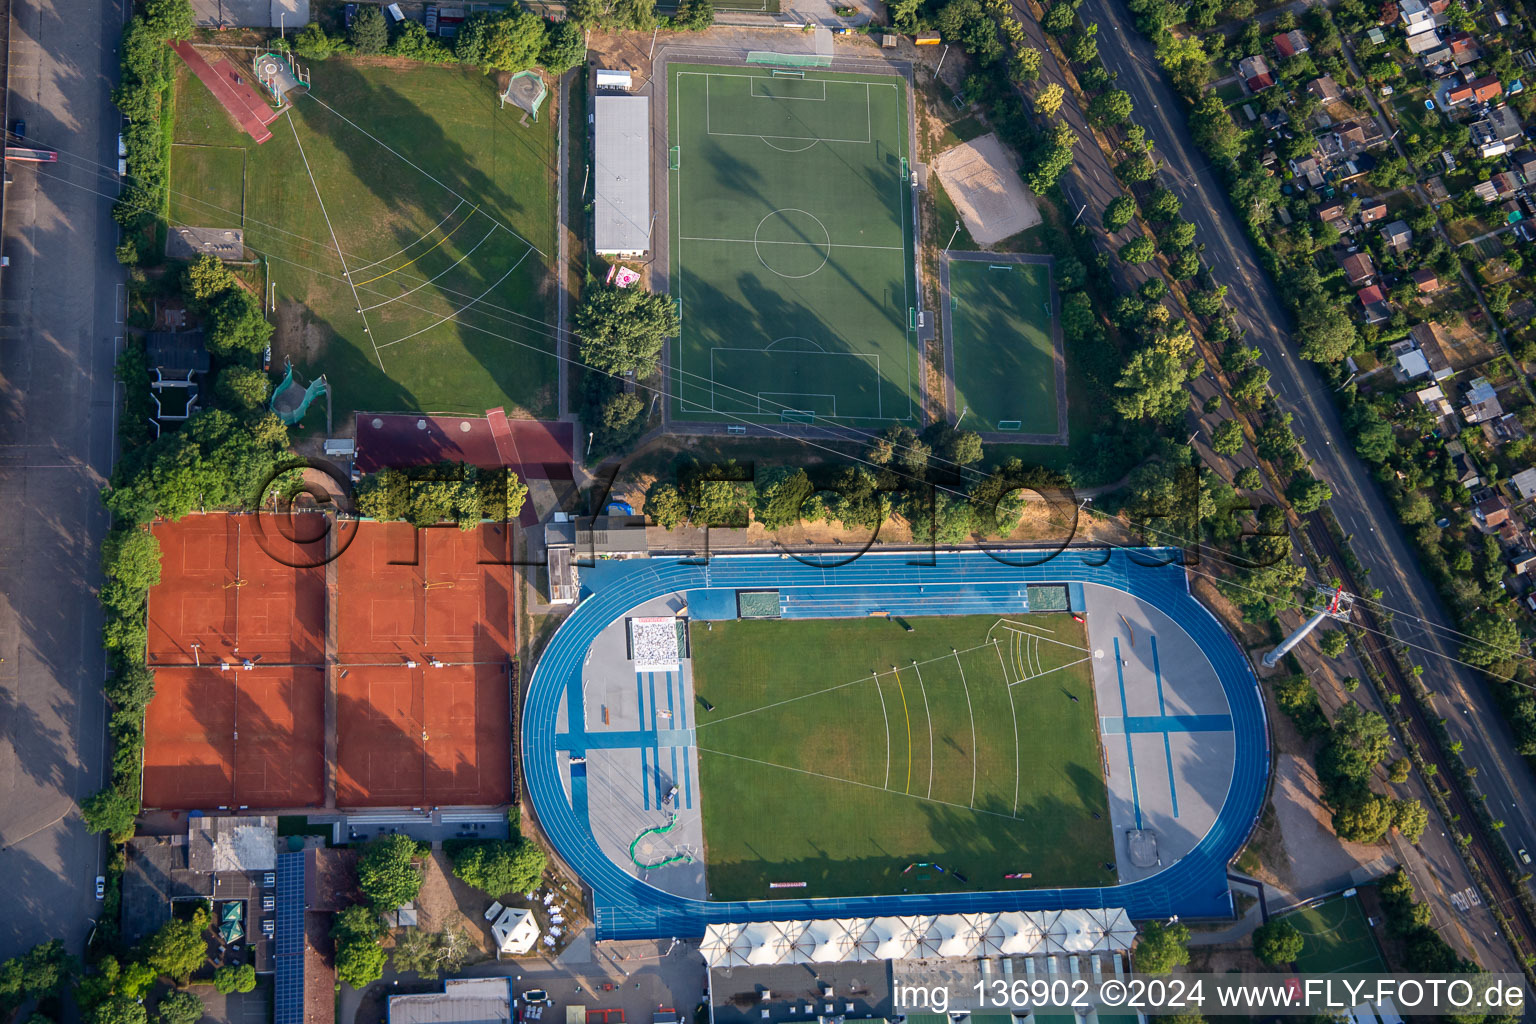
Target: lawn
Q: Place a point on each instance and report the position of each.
(441, 203)
(1338, 939)
(791, 246)
(815, 768)
(1002, 331)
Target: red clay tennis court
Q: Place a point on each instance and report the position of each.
(229, 590)
(423, 736)
(420, 666)
(420, 595)
(235, 738)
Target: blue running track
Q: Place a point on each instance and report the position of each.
(955, 583)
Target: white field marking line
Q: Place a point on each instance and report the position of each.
(834, 245)
(409, 163)
(1048, 671)
(876, 679)
(423, 238)
(1017, 753)
(451, 267)
(817, 693)
(466, 307)
(972, 713)
(810, 99)
(791, 138)
(861, 785)
(334, 240)
(1010, 625)
(929, 715)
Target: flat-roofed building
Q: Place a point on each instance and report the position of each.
(623, 175)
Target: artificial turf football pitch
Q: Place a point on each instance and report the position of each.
(830, 758)
(791, 246)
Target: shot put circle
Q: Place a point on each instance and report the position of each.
(786, 243)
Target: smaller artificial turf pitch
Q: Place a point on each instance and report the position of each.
(1337, 939)
(822, 764)
(1004, 354)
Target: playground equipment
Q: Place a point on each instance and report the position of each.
(659, 830)
(278, 75)
(291, 399)
(526, 91)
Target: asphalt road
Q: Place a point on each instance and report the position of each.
(58, 325)
(1378, 540)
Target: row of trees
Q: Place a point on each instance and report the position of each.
(622, 331)
(442, 493)
(144, 97)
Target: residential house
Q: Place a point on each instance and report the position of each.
(1427, 338)
(1416, 16)
(1330, 211)
(1486, 139)
(1503, 430)
(1524, 163)
(1486, 89)
(1464, 49)
(1325, 89)
(1522, 563)
(1506, 122)
(1410, 361)
(1289, 44)
(1482, 402)
(1426, 281)
(1492, 511)
(1506, 184)
(1524, 483)
(1433, 399)
(1374, 302)
(1398, 236)
(1309, 170)
(1376, 35)
(1487, 191)
(1438, 193)
(1255, 72)
(1456, 96)
(1359, 269)
(1372, 211)
(1461, 462)
(1424, 42)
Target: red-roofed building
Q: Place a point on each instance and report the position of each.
(1373, 300)
(1486, 89)
(1359, 269)
(1426, 281)
(1255, 72)
(1289, 44)
(1370, 213)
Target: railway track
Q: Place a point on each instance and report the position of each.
(1521, 930)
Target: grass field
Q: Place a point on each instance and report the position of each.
(441, 204)
(1005, 368)
(814, 768)
(207, 185)
(791, 246)
(1338, 939)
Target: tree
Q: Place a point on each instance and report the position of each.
(1213, 129)
(1249, 478)
(1307, 493)
(119, 1010)
(1151, 386)
(235, 321)
(359, 957)
(1085, 50)
(781, 494)
(1111, 108)
(565, 47)
(1277, 943)
(243, 387)
(179, 947)
(1327, 332)
(1364, 817)
(510, 40)
(622, 329)
(312, 43)
(385, 874)
(665, 505)
(497, 868)
(112, 812)
(368, 34)
(1161, 948)
(1227, 438)
(694, 15)
(180, 1007)
(1059, 19)
(1333, 642)
(130, 688)
(1134, 168)
(1138, 250)
(1410, 819)
(206, 279)
(232, 978)
(1492, 640)
(1120, 212)
(1025, 66)
(430, 954)
(1048, 100)
(169, 19)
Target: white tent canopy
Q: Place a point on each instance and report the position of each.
(1014, 933)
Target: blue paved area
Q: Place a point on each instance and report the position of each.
(959, 583)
